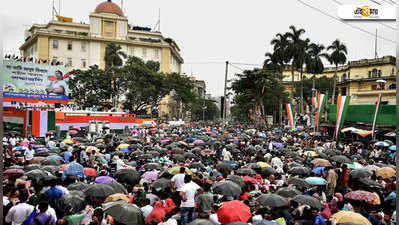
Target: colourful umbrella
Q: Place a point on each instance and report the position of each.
(385, 172)
(124, 150)
(263, 164)
(19, 148)
(310, 154)
(150, 175)
(355, 165)
(393, 148)
(316, 181)
(233, 211)
(361, 195)
(318, 170)
(350, 217)
(382, 144)
(123, 146)
(68, 141)
(13, 172)
(248, 179)
(372, 167)
(198, 142)
(278, 145)
(90, 172)
(103, 179)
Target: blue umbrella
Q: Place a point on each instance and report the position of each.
(278, 145)
(382, 144)
(42, 150)
(393, 148)
(125, 150)
(316, 181)
(318, 170)
(306, 135)
(55, 157)
(75, 169)
(19, 148)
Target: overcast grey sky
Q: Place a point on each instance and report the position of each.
(209, 32)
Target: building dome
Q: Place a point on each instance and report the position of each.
(109, 7)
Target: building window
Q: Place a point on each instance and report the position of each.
(55, 44)
(393, 71)
(83, 63)
(108, 29)
(343, 91)
(369, 74)
(69, 62)
(344, 77)
(379, 73)
(156, 53)
(374, 87)
(144, 52)
(131, 51)
(392, 86)
(69, 47)
(83, 46)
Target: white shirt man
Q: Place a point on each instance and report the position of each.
(277, 162)
(29, 154)
(13, 141)
(51, 144)
(189, 190)
(226, 155)
(18, 213)
(178, 181)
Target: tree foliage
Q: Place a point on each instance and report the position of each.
(322, 84)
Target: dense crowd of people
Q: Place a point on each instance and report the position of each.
(198, 174)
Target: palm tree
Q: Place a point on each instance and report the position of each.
(314, 63)
(280, 48)
(293, 49)
(337, 57)
(302, 49)
(113, 58)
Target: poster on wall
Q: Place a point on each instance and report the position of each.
(30, 80)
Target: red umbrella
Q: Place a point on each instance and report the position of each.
(361, 195)
(90, 172)
(73, 132)
(233, 211)
(13, 172)
(248, 179)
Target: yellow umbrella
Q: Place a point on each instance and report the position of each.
(99, 140)
(175, 170)
(68, 141)
(311, 153)
(263, 164)
(117, 197)
(350, 217)
(385, 172)
(123, 146)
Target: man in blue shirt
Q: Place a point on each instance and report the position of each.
(54, 193)
(319, 220)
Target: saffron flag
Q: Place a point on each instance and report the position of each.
(342, 108)
(290, 115)
(377, 109)
(320, 103)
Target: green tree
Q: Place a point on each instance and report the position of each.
(322, 84)
(90, 87)
(337, 57)
(209, 110)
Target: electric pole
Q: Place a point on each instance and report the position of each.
(225, 88)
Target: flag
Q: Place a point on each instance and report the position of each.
(290, 115)
(42, 122)
(377, 109)
(342, 108)
(320, 103)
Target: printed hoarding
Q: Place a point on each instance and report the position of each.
(30, 80)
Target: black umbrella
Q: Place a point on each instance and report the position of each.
(236, 179)
(288, 192)
(36, 174)
(152, 166)
(101, 190)
(178, 151)
(197, 165)
(323, 155)
(267, 171)
(146, 156)
(370, 183)
(293, 164)
(51, 169)
(127, 176)
(42, 154)
(124, 213)
(298, 182)
(226, 188)
(161, 184)
(80, 186)
(330, 152)
(74, 201)
(300, 170)
(188, 155)
(201, 222)
(178, 157)
(31, 167)
(340, 159)
(118, 187)
(51, 162)
(154, 153)
(271, 200)
(308, 200)
(245, 172)
(360, 173)
(224, 167)
(253, 166)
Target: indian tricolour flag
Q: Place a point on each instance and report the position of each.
(290, 115)
(342, 108)
(377, 109)
(42, 122)
(320, 103)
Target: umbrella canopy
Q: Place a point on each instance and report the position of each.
(350, 217)
(298, 182)
(74, 168)
(31, 167)
(371, 167)
(99, 190)
(308, 200)
(278, 145)
(226, 188)
(236, 179)
(175, 170)
(150, 175)
(80, 186)
(392, 148)
(103, 179)
(361, 195)
(361, 173)
(341, 159)
(272, 200)
(118, 187)
(36, 174)
(355, 165)
(162, 184)
(198, 142)
(152, 166)
(310, 154)
(321, 162)
(300, 170)
(124, 213)
(248, 179)
(370, 183)
(14, 172)
(201, 222)
(382, 144)
(51, 169)
(288, 192)
(245, 172)
(75, 201)
(197, 165)
(263, 164)
(316, 181)
(385, 172)
(233, 211)
(90, 172)
(127, 176)
(117, 197)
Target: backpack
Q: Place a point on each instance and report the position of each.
(31, 216)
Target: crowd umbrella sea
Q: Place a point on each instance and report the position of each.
(200, 174)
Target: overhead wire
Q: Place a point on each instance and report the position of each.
(348, 24)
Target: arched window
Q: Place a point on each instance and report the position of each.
(374, 73)
(392, 86)
(344, 77)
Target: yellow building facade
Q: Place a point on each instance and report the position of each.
(358, 79)
(80, 45)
